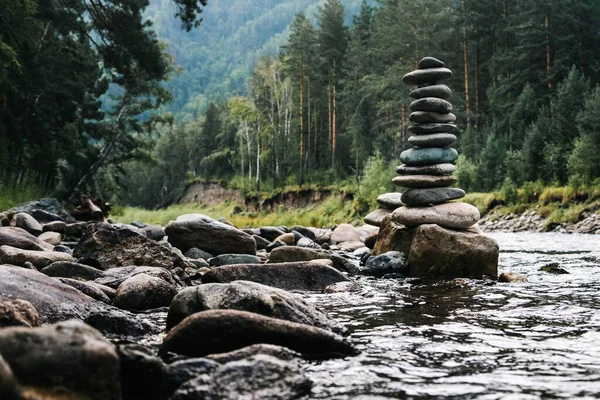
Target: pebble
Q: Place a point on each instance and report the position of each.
(423, 117)
(428, 155)
(449, 215)
(430, 75)
(423, 197)
(439, 91)
(433, 169)
(424, 181)
(433, 140)
(430, 62)
(431, 104)
(426, 129)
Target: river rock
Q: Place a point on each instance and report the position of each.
(48, 205)
(304, 231)
(430, 75)
(196, 253)
(390, 200)
(257, 377)
(9, 387)
(115, 276)
(512, 277)
(392, 237)
(21, 239)
(144, 292)
(424, 117)
(114, 246)
(439, 91)
(437, 252)
(271, 233)
(307, 243)
(227, 330)
(18, 313)
(182, 371)
(376, 217)
(55, 226)
(40, 259)
(261, 242)
(53, 238)
(155, 232)
(426, 129)
(87, 288)
(248, 296)
(430, 62)
(448, 215)
(294, 254)
(345, 233)
(27, 222)
(431, 104)
(433, 140)
(432, 169)
(73, 270)
(282, 353)
(76, 229)
(143, 374)
(424, 181)
(288, 276)
(424, 197)
(230, 259)
(198, 230)
(431, 155)
(392, 262)
(69, 355)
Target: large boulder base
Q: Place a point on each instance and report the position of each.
(203, 232)
(220, 331)
(70, 355)
(435, 252)
(288, 276)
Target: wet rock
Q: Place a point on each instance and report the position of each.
(342, 287)
(70, 354)
(89, 289)
(288, 276)
(248, 296)
(424, 197)
(115, 276)
(432, 169)
(271, 233)
(512, 277)
(40, 259)
(424, 181)
(67, 269)
(230, 259)
(116, 246)
(345, 233)
(27, 222)
(295, 254)
(18, 313)
(198, 230)
(228, 330)
(144, 292)
(196, 253)
(449, 215)
(143, 375)
(554, 268)
(53, 238)
(282, 353)
(437, 252)
(21, 239)
(9, 388)
(182, 371)
(392, 262)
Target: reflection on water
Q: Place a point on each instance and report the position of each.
(475, 339)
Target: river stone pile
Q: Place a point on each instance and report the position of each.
(427, 174)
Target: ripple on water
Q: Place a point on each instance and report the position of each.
(475, 341)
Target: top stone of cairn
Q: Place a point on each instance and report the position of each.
(430, 62)
(430, 71)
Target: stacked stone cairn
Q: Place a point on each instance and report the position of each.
(427, 168)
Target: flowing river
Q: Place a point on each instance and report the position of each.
(475, 339)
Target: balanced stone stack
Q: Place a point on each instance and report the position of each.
(427, 174)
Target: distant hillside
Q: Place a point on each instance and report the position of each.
(216, 58)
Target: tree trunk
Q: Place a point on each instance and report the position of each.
(466, 63)
(334, 122)
(548, 51)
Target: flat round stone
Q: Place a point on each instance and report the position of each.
(433, 140)
(430, 62)
(390, 200)
(376, 217)
(424, 117)
(439, 91)
(426, 129)
(431, 104)
(424, 181)
(428, 155)
(424, 197)
(430, 75)
(434, 169)
(449, 215)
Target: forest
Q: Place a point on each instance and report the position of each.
(327, 108)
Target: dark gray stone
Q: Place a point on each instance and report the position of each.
(426, 117)
(115, 276)
(426, 129)
(51, 206)
(430, 75)
(433, 169)
(282, 353)
(431, 104)
(423, 197)
(304, 231)
(433, 140)
(272, 232)
(9, 387)
(392, 262)
(261, 242)
(89, 289)
(390, 200)
(143, 375)
(439, 91)
(66, 269)
(63, 249)
(144, 292)
(294, 254)
(424, 181)
(230, 259)
(182, 371)
(430, 62)
(196, 253)
(428, 155)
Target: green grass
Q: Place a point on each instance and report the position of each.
(327, 213)
(11, 196)
(483, 201)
